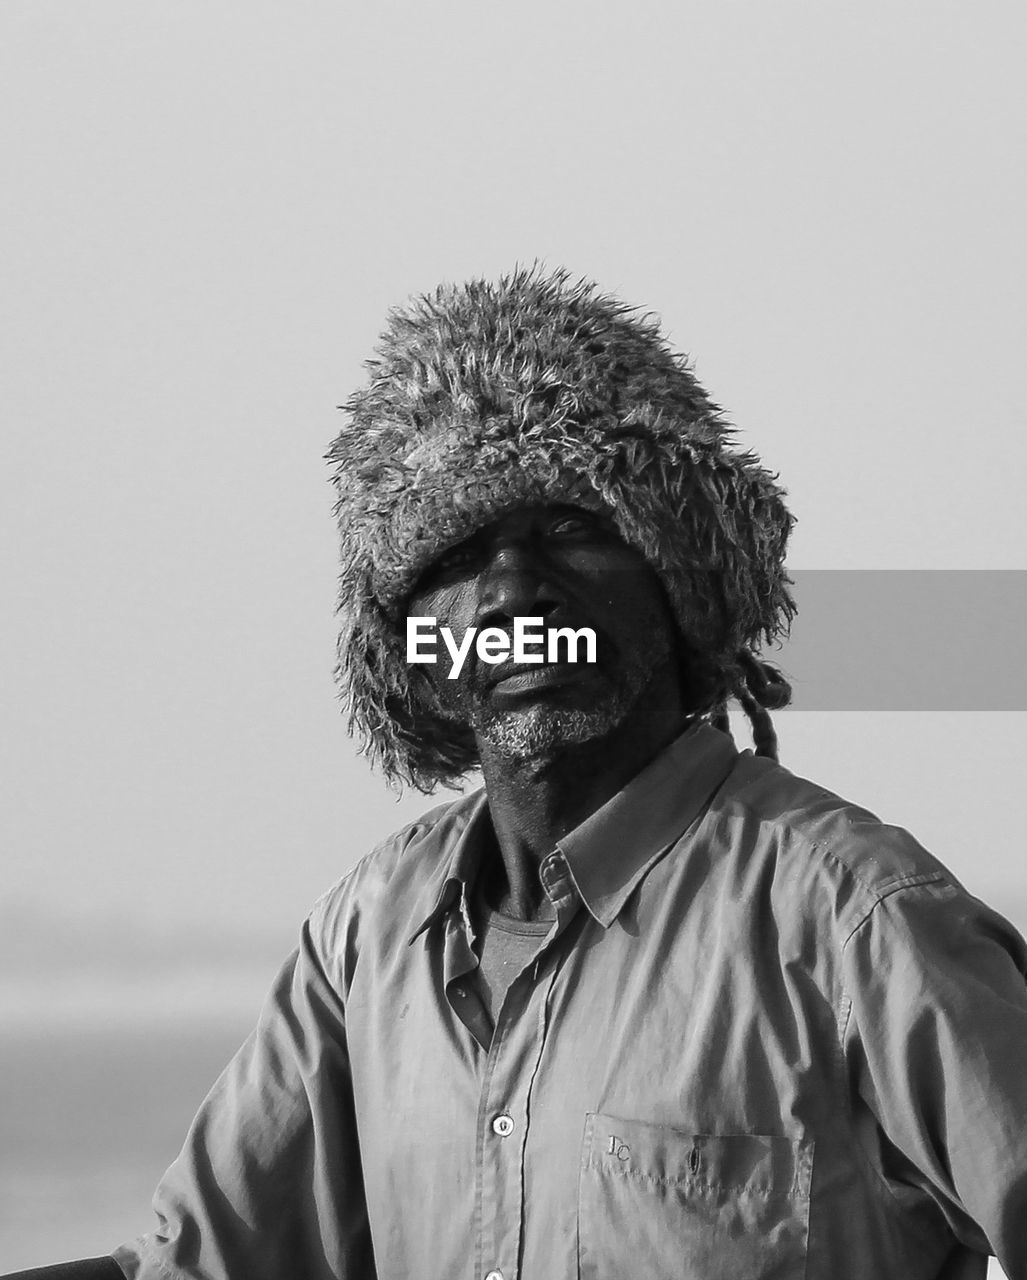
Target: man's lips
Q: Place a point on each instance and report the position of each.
(518, 677)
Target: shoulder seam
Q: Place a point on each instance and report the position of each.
(875, 892)
(815, 846)
(893, 887)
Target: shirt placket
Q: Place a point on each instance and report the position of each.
(459, 964)
(505, 1101)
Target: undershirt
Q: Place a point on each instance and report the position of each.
(505, 947)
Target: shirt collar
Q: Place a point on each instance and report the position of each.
(460, 869)
(609, 853)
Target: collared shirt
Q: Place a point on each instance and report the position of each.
(766, 1035)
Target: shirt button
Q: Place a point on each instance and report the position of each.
(503, 1125)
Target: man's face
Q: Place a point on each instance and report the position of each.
(571, 568)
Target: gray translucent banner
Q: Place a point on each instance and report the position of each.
(907, 640)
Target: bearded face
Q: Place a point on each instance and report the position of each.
(570, 568)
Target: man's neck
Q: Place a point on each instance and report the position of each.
(533, 803)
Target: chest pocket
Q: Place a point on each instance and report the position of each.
(664, 1204)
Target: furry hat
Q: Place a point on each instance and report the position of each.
(492, 395)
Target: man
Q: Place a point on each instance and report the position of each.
(645, 1005)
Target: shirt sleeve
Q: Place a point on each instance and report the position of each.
(936, 1036)
(269, 1184)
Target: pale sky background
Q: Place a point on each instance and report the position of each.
(207, 209)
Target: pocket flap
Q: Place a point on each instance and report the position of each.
(753, 1164)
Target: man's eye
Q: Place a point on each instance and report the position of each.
(449, 567)
(453, 560)
(569, 524)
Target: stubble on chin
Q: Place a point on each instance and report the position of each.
(540, 731)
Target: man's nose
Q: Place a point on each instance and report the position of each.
(512, 584)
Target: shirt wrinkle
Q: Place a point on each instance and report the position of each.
(875, 1174)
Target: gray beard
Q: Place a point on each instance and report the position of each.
(540, 732)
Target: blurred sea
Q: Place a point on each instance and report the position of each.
(89, 1120)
